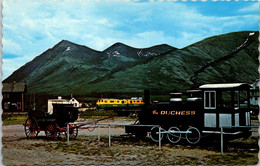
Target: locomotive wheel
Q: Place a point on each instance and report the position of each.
(31, 128)
(194, 136)
(73, 132)
(51, 131)
(174, 137)
(155, 135)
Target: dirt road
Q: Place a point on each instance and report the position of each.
(17, 150)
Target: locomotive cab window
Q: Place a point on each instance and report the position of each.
(226, 101)
(243, 101)
(236, 99)
(210, 99)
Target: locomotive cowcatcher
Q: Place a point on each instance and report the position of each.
(54, 122)
(203, 113)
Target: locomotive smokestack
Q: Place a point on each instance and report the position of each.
(146, 96)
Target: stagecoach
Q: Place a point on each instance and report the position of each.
(54, 121)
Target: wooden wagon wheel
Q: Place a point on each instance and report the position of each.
(73, 132)
(51, 131)
(31, 128)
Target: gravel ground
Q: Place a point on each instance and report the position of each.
(17, 150)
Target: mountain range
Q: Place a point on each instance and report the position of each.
(69, 68)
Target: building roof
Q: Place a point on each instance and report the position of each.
(62, 101)
(14, 87)
(224, 86)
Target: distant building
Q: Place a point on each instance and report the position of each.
(72, 102)
(13, 96)
(254, 96)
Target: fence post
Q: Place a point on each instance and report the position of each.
(68, 132)
(98, 131)
(221, 142)
(159, 137)
(109, 136)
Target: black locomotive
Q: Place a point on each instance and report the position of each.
(204, 112)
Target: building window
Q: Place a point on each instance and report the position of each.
(210, 99)
(6, 95)
(19, 106)
(6, 106)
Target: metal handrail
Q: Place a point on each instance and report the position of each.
(221, 132)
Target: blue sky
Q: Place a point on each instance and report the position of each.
(31, 27)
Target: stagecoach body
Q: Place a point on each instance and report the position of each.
(205, 111)
(54, 121)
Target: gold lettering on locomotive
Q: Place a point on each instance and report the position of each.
(174, 112)
(163, 112)
(178, 112)
(155, 112)
(171, 113)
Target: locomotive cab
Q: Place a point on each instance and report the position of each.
(226, 105)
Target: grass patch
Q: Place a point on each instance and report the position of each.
(91, 113)
(125, 150)
(132, 151)
(13, 119)
(243, 158)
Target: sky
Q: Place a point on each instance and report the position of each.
(31, 27)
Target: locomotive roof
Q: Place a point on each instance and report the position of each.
(195, 90)
(225, 86)
(176, 93)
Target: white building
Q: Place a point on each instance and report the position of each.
(61, 101)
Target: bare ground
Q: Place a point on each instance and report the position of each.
(87, 150)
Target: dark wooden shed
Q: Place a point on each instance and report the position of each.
(13, 96)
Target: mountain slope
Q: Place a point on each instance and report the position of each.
(173, 71)
(69, 68)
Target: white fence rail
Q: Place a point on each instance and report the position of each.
(109, 129)
(160, 131)
(222, 133)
